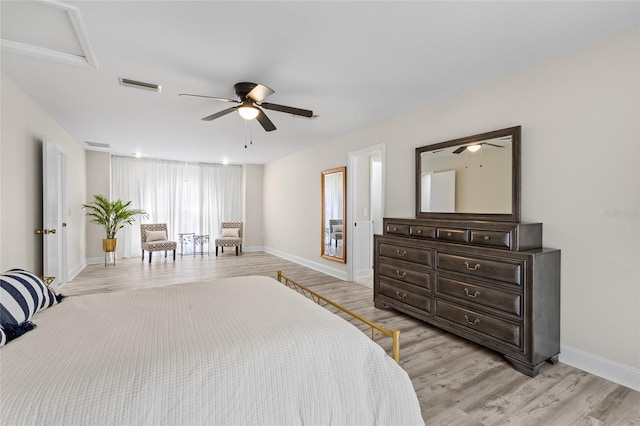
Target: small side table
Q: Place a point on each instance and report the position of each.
(186, 238)
(201, 240)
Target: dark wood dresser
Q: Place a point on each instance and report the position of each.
(488, 282)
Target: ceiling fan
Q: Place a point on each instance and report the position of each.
(250, 96)
(474, 147)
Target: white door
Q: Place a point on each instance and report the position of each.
(53, 208)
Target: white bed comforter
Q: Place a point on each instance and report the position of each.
(242, 350)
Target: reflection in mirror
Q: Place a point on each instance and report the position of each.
(475, 177)
(334, 209)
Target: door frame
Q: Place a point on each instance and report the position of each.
(351, 186)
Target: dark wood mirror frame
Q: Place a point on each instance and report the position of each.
(514, 216)
(325, 231)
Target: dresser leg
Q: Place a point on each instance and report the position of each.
(524, 368)
(379, 305)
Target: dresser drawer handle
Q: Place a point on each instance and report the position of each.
(448, 234)
(394, 229)
(486, 237)
(401, 296)
(477, 293)
(470, 268)
(403, 254)
(419, 231)
(474, 322)
(404, 274)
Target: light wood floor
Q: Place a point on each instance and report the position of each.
(457, 382)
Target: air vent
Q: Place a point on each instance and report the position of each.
(98, 145)
(140, 84)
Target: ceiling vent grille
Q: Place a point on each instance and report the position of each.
(140, 84)
(98, 145)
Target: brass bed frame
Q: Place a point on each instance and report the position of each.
(323, 301)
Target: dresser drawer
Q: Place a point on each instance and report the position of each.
(475, 266)
(407, 275)
(498, 299)
(422, 231)
(409, 254)
(453, 234)
(397, 229)
(480, 323)
(408, 297)
(491, 238)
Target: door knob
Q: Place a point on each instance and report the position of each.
(45, 231)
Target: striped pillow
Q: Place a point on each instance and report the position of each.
(22, 294)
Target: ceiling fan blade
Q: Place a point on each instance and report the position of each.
(287, 109)
(259, 92)
(211, 97)
(487, 143)
(265, 122)
(459, 150)
(219, 114)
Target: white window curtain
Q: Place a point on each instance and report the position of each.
(188, 197)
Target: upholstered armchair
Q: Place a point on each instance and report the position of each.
(154, 237)
(230, 236)
(335, 230)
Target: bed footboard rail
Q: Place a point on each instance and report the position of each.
(319, 299)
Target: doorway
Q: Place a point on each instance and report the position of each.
(365, 209)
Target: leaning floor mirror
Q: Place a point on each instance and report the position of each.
(334, 213)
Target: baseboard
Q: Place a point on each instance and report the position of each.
(603, 367)
(94, 260)
(337, 273)
(75, 271)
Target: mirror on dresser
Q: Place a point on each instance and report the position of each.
(473, 178)
(334, 211)
(466, 263)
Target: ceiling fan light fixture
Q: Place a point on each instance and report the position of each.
(473, 148)
(248, 112)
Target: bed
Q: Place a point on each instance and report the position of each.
(244, 350)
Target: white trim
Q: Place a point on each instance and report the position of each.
(94, 260)
(351, 158)
(75, 271)
(614, 371)
(336, 273)
(89, 58)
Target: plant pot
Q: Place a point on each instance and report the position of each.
(109, 244)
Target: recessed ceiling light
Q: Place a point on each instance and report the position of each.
(140, 84)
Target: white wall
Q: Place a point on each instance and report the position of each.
(24, 124)
(580, 159)
(253, 202)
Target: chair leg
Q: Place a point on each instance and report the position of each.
(150, 254)
(143, 255)
(236, 250)
(216, 250)
(174, 255)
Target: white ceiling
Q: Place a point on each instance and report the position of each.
(352, 63)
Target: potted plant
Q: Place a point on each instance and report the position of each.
(113, 215)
